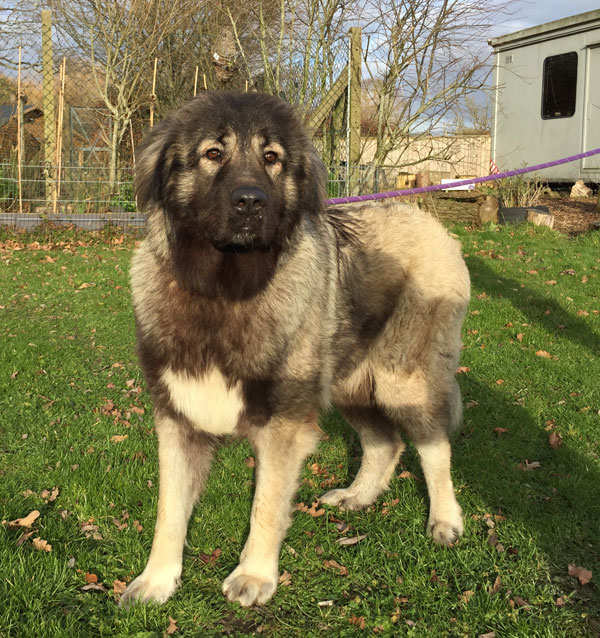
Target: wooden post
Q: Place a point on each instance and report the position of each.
(153, 95)
(48, 103)
(354, 110)
(20, 134)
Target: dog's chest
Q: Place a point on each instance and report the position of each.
(206, 400)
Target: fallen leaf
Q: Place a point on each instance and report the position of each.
(24, 537)
(90, 578)
(499, 381)
(462, 370)
(555, 439)
(500, 430)
(117, 438)
(335, 565)
(520, 602)
(407, 475)
(285, 580)
(583, 575)
(94, 587)
(346, 540)
(212, 559)
(490, 634)
(543, 354)
(551, 282)
(172, 628)
(250, 462)
(359, 621)
(466, 596)
(560, 602)
(41, 544)
(529, 465)
(520, 337)
(26, 521)
(496, 586)
(119, 587)
(583, 313)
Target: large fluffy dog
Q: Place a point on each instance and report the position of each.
(256, 308)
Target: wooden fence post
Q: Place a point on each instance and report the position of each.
(354, 110)
(48, 105)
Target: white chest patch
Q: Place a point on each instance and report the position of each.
(205, 400)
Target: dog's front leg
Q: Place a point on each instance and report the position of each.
(280, 448)
(184, 462)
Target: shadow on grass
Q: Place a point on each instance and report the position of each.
(533, 305)
(557, 503)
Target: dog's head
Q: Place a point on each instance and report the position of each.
(235, 169)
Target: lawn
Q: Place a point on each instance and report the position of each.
(77, 445)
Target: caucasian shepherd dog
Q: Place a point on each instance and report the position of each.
(256, 308)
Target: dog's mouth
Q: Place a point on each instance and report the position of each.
(244, 242)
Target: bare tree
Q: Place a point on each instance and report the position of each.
(425, 58)
(121, 39)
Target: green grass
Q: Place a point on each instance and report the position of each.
(69, 382)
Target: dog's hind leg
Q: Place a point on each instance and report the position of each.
(184, 462)
(382, 448)
(445, 523)
(281, 447)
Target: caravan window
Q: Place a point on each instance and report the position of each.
(559, 86)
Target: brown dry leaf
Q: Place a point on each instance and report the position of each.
(407, 475)
(529, 465)
(551, 282)
(583, 575)
(583, 313)
(94, 587)
(543, 354)
(555, 439)
(285, 580)
(119, 587)
(496, 586)
(359, 621)
(50, 496)
(172, 628)
(490, 634)
(462, 370)
(499, 381)
(137, 526)
(520, 602)
(212, 559)
(117, 438)
(24, 537)
(466, 596)
(41, 544)
(314, 512)
(90, 578)
(520, 337)
(250, 462)
(352, 540)
(500, 431)
(560, 602)
(26, 521)
(335, 565)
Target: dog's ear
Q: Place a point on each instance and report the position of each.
(313, 193)
(153, 165)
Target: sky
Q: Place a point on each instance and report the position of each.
(530, 13)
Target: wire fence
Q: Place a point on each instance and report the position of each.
(73, 108)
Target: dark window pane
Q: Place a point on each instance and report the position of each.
(559, 86)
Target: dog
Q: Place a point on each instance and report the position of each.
(256, 307)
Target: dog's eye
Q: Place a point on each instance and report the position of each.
(213, 154)
(271, 157)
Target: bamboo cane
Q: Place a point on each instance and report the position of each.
(204, 78)
(196, 82)
(19, 134)
(153, 94)
(59, 132)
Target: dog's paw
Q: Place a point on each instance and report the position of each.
(249, 589)
(346, 499)
(446, 531)
(151, 586)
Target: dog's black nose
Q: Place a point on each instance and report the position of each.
(248, 200)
